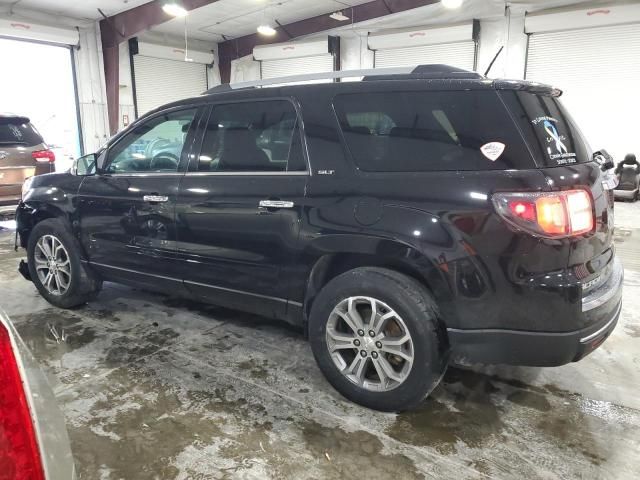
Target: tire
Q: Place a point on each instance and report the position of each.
(76, 284)
(398, 297)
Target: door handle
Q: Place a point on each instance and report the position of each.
(155, 198)
(275, 204)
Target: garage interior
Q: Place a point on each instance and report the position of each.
(154, 387)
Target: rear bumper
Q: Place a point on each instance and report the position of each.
(602, 307)
(542, 349)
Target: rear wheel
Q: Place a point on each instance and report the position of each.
(55, 267)
(374, 334)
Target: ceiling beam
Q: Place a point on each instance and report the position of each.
(119, 28)
(239, 47)
(127, 24)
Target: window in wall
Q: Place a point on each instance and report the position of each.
(154, 146)
(252, 137)
(429, 131)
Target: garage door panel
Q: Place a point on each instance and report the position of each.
(296, 66)
(160, 81)
(457, 54)
(598, 70)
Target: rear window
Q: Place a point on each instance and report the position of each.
(548, 128)
(17, 132)
(430, 131)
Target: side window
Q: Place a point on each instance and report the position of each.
(154, 146)
(252, 137)
(430, 131)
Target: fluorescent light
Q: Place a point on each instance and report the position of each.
(451, 3)
(266, 30)
(339, 16)
(174, 9)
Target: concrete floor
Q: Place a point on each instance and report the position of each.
(160, 388)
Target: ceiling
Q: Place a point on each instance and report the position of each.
(81, 9)
(235, 18)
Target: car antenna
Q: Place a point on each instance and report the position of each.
(494, 59)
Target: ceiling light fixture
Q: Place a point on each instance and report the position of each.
(451, 3)
(174, 9)
(266, 30)
(339, 16)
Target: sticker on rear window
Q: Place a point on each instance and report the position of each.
(492, 150)
(17, 133)
(556, 141)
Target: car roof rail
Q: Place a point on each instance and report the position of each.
(395, 73)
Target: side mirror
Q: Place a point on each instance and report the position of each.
(84, 166)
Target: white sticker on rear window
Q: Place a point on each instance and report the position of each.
(492, 150)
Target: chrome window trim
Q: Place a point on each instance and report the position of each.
(258, 173)
(142, 174)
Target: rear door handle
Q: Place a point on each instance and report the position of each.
(275, 204)
(155, 198)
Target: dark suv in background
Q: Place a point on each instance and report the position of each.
(401, 220)
(23, 154)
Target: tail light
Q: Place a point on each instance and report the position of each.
(19, 452)
(549, 214)
(44, 156)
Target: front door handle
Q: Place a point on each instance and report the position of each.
(155, 198)
(275, 204)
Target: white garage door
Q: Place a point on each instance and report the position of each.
(458, 54)
(48, 99)
(160, 81)
(296, 66)
(599, 71)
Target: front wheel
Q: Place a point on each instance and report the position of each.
(374, 333)
(55, 266)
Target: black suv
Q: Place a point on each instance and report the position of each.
(401, 220)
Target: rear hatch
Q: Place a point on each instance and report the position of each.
(18, 140)
(566, 160)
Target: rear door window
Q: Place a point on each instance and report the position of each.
(548, 128)
(19, 132)
(261, 136)
(430, 131)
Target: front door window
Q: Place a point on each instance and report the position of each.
(153, 147)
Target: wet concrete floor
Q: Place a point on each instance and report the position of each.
(159, 388)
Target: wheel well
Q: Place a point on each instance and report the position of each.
(27, 220)
(332, 265)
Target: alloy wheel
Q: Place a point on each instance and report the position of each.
(52, 264)
(370, 343)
